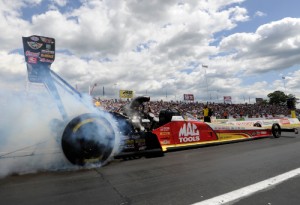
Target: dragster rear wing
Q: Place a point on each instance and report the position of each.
(39, 52)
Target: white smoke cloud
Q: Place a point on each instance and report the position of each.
(28, 140)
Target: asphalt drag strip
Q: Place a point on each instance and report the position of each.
(179, 178)
(252, 189)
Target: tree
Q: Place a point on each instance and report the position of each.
(291, 96)
(264, 102)
(278, 98)
(291, 102)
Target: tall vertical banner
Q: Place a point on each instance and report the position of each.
(39, 54)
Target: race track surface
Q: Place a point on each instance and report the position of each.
(178, 178)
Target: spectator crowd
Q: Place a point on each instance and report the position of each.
(220, 110)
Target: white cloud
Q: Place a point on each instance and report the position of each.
(12, 71)
(171, 35)
(60, 3)
(259, 14)
(269, 48)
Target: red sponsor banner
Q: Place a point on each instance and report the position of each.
(189, 97)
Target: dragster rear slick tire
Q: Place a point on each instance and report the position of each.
(88, 139)
(276, 130)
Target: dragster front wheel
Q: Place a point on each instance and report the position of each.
(88, 139)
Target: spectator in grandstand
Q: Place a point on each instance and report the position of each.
(225, 114)
(207, 113)
(97, 102)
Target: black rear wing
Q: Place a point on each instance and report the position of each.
(39, 52)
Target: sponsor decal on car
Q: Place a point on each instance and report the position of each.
(242, 123)
(165, 133)
(32, 60)
(165, 142)
(45, 60)
(47, 51)
(47, 55)
(48, 46)
(189, 139)
(266, 122)
(284, 121)
(164, 129)
(220, 127)
(46, 40)
(34, 45)
(32, 54)
(228, 127)
(189, 133)
(34, 38)
(232, 136)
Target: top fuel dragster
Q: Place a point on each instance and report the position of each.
(87, 138)
(90, 137)
(175, 131)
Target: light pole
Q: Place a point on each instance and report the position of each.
(206, 66)
(283, 78)
(115, 85)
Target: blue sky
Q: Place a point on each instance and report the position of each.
(159, 47)
(273, 10)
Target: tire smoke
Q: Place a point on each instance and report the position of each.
(31, 128)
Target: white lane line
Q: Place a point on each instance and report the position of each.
(251, 189)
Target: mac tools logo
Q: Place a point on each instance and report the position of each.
(189, 133)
